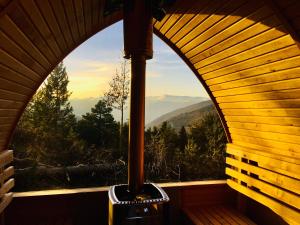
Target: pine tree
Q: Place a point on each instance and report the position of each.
(182, 138)
(53, 120)
(99, 128)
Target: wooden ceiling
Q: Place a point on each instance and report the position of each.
(245, 53)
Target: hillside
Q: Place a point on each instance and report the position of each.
(155, 105)
(183, 116)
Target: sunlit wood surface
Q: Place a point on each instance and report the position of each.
(245, 53)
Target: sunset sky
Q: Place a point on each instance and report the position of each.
(91, 66)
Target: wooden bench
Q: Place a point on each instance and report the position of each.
(215, 215)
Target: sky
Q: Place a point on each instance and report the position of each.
(91, 66)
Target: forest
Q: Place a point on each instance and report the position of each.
(54, 149)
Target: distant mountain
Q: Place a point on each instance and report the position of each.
(155, 105)
(184, 116)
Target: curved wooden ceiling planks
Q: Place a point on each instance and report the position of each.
(245, 53)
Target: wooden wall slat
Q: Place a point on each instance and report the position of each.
(277, 57)
(223, 8)
(273, 113)
(278, 148)
(188, 16)
(248, 32)
(19, 54)
(70, 14)
(278, 46)
(24, 24)
(275, 192)
(275, 95)
(5, 201)
(267, 175)
(15, 34)
(288, 214)
(10, 61)
(49, 16)
(194, 22)
(59, 12)
(37, 19)
(227, 22)
(80, 18)
(267, 128)
(87, 8)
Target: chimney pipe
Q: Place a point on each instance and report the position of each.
(138, 36)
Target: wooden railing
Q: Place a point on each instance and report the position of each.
(272, 180)
(6, 182)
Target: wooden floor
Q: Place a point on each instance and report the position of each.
(215, 215)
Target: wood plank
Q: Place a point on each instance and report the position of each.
(8, 114)
(239, 80)
(80, 18)
(286, 138)
(264, 151)
(240, 10)
(179, 10)
(266, 127)
(245, 22)
(213, 210)
(267, 175)
(261, 87)
(282, 121)
(15, 51)
(284, 112)
(190, 40)
(49, 16)
(233, 215)
(37, 19)
(15, 34)
(268, 104)
(7, 198)
(225, 217)
(289, 149)
(186, 17)
(59, 12)
(11, 62)
(275, 95)
(272, 191)
(7, 173)
(277, 56)
(210, 217)
(87, 9)
(6, 187)
(8, 104)
(283, 167)
(95, 13)
(14, 87)
(22, 21)
(239, 36)
(239, 215)
(280, 46)
(195, 21)
(11, 95)
(193, 217)
(6, 157)
(6, 122)
(280, 209)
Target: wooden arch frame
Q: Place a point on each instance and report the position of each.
(245, 53)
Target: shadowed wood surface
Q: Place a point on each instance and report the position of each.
(245, 53)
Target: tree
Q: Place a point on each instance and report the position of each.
(182, 138)
(98, 127)
(50, 121)
(118, 93)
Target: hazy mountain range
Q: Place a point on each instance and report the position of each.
(156, 106)
(184, 116)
